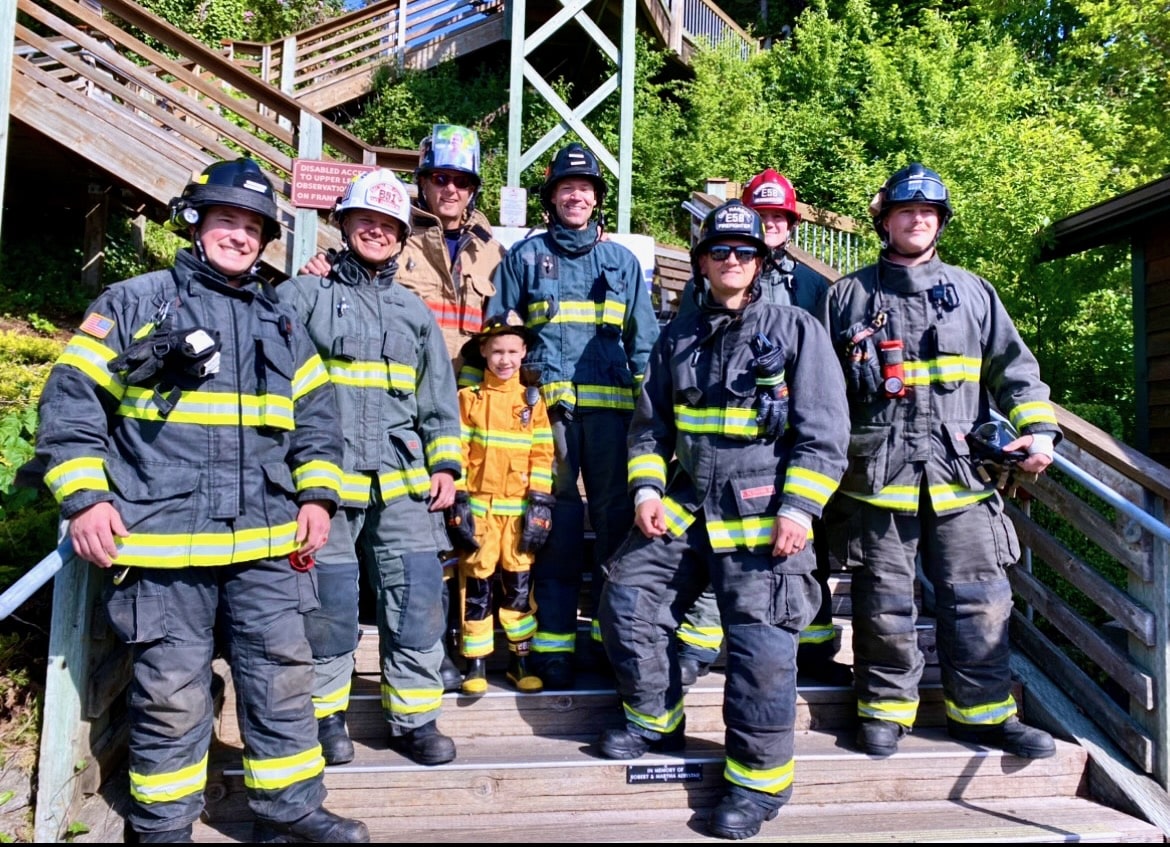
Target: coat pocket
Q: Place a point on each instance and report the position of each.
(868, 459)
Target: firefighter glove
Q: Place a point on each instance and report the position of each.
(461, 524)
(863, 371)
(537, 521)
(771, 389)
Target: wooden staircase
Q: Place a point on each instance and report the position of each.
(528, 771)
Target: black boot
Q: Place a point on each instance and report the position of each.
(319, 827)
(1011, 736)
(475, 683)
(739, 815)
(826, 672)
(336, 746)
(632, 741)
(183, 835)
(556, 671)
(449, 673)
(880, 738)
(425, 745)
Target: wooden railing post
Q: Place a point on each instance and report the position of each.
(288, 73)
(676, 25)
(309, 146)
(400, 39)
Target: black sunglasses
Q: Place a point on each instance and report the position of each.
(721, 252)
(460, 181)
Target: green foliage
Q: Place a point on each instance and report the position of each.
(246, 20)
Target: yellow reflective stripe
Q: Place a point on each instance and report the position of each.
(809, 484)
(611, 312)
(274, 774)
(520, 629)
(210, 408)
(900, 498)
(317, 474)
(410, 701)
(648, 466)
(445, 449)
(333, 702)
(469, 376)
(480, 644)
(159, 550)
(767, 781)
(375, 375)
(595, 632)
(741, 532)
(310, 375)
(943, 369)
(947, 498)
(541, 479)
(666, 723)
(714, 421)
(169, 786)
(557, 392)
(818, 634)
(896, 711)
(605, 397)
(990, 714)
(76, 475)
(554, 642)
(704, 637)
(500, 439)
(677, 520)
(92, 359)
(481, 507)
(1035, 412)
(394, 484)
(355, 489)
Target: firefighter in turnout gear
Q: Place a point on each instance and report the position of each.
(400, 417)
(450, 261)
(589, 310)
(503, 509)
(738, 442)
(788, 282)
(190, 434)
(926, 348)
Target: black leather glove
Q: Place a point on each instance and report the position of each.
(771, 390)
(537, 522)
(863, 372)
(461, 524)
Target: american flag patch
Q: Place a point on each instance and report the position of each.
(98, 326)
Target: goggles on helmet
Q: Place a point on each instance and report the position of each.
(917, 188)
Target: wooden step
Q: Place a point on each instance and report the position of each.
(988, 821)
(495, 779)
(587, 711)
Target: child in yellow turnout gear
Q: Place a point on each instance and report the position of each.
(503, 504)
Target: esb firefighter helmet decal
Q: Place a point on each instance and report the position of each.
(378, 191)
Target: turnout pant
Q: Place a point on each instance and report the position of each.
(764, 603)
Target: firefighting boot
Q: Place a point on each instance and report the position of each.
(336, 746)
(1011, 736)
(518, 672)
(475, 683)
(319, 827)
(425, 745)
(690, 669)
(741, 812)
(880, 738)
(556, 671)
(632, 741)
(449, 673)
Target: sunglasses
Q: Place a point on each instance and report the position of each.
(460, 181)
(721, 253)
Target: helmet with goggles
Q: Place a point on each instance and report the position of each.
(914, 183)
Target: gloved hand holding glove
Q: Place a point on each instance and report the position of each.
(461, 523)
(537, 521)
(771, 389)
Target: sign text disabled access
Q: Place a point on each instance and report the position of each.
(672, 772)
(316, 184)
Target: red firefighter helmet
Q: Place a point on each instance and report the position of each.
(770, 190)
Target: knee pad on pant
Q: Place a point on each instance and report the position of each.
(422, 621)
(333, 628)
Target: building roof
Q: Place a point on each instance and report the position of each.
(1108, 222)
